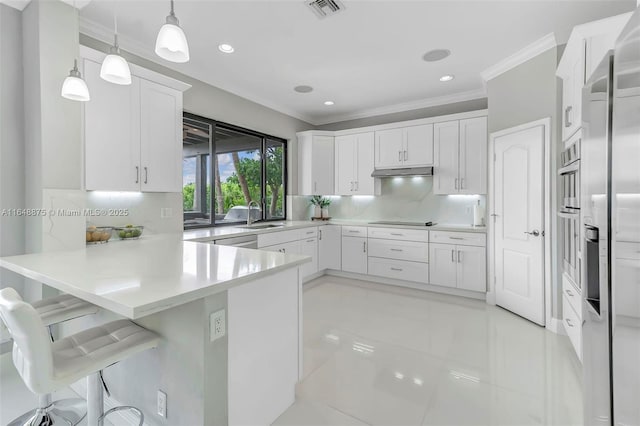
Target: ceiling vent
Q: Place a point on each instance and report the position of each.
(324, 8)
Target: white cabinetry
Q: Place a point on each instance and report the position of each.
(354, 162)
(401, 254)
(296, 241)
(329, 247)
(404, 147)
(354, 249)
(461, 265)
(309, 247)
(132, 134)
(460, 156)
(316, 158)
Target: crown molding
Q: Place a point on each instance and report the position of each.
(21, 4)
(405, 106)
(100, 32)
(523, 55)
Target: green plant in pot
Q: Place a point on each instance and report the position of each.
(321, 206)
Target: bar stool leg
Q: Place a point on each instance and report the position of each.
(95, 401)
(63, 412)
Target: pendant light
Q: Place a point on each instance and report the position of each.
(171, 43)
(115, 68)
(74, 87)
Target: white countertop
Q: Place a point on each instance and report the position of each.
(140, 277)
(214, 233)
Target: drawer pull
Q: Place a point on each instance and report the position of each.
(393, 249)
(453, 253)
(364, 247)
(310, 241)
(354, 232)
(309, 232)
(397, 269)
(456, 238)
(397, 234)
(568, 321)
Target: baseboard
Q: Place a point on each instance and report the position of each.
(555, 326)
(120, 418)
(408, 284)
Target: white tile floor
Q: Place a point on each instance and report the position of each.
(384, 356)
(379, 355)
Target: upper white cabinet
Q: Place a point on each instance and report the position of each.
(586, 47)
(316, 163)
(354, 162)
(460, 156)
(132, 134)
(404, 147)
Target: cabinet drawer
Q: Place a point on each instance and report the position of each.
(401, 250)
(461, 238)
(308, 233)
(573, 325)
(279, 237)
(354, 231)
(399, 234)
(399, 269)
(572, 294)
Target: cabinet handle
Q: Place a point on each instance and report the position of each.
(310, 241)
(461, 183)
(284, 250)
(146, 175)
(406, 156)
(399, 155)
(396, 269)
(357, 185)
(351, 187)
(364, 247)
(568, 321)
(320, 234)
(137, 174)
(567, 111)
(453, 254)
(456, 238)
(395, 249)
(456, 183)
(309, 232)
(397, 234)
(354, 232)
(459, 258)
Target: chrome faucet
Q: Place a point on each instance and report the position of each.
(249, 218)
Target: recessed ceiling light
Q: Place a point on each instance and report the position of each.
(303, 89)
(446, 78)
(436, 55)
(226, 48)
(328, 103)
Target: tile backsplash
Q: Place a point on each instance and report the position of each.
(402, 199)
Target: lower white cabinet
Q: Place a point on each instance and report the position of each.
(354, 254)
(399, 269)
(457, 266)
(330, 247)
(572, 325)
(309, 247)
(292, 247)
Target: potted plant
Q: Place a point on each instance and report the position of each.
(324, 204)
(317, 207)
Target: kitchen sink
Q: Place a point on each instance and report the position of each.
(261, 226)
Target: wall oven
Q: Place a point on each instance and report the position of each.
(569, 213)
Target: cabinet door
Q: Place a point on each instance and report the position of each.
(309, 247)
(567, 100)
(418, 149)
(111, 133)
(330, 247)
(442, 264)
(389, 148)
(445, 150)
(354, 254)
(473, 156)
(345, 160)
(292, 247)
(471, 268)
(160, 137)
(578, 80)
(316, 159)
(365, 184)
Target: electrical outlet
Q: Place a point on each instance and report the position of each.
(166, 212)
(162, 404)
(217, 325)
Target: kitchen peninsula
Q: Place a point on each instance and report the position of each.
(177, 288)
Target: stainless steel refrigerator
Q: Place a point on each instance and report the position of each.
(610, 216)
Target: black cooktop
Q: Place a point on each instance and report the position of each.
(390, 222)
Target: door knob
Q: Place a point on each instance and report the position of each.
(535, 233)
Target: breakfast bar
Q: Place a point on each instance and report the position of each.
(229, 319)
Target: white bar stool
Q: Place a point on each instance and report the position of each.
(52, 311)
(46, 367)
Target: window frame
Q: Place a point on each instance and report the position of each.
(264, 139)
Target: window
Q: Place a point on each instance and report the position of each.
(225, 167)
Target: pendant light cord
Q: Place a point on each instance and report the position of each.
(172, 13)
(115, 25)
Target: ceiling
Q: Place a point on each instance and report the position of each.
(367, 58)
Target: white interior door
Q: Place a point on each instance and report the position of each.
(518, 225)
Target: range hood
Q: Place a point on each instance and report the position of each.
(410, 171)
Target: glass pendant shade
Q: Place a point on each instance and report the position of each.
(115, 69)
(74, 87)
(171, 43)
